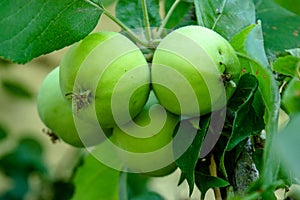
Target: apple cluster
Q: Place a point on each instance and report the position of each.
(105, 88)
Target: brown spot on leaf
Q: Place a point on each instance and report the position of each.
(244, 71)
(296, 33)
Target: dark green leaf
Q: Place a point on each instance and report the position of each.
(136, 185)
(290, 5)
(279, 35)
(131, 13)
(16, 88)
(246, 121)
(32, 28)
(204, 181)
(26, 158)
(181, 11)
(187, 162)
(226, 17)
(3, 132)
(62, 190)
(19, 165)
(287, 65)
(94, 180)
(267, 98)
(258, 159)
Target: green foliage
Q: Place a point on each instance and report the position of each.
(287, 65)
(131, 13)
(3, 131)
(291, 5)
(94, 180)
(280, 26)
(16, 88)
(246, 121)
(33, 28)
(204, 180)
(187, 162)
(225, 17)
(249, 44)
(181, 15)
(19, 164)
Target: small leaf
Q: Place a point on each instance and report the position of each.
(187, 162)
(222, 15)
(204, 181)
(94, 180)
(131, 13)
(287, 65)
(32, 28)
(16, 88)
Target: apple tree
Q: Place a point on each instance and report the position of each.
(196, 87)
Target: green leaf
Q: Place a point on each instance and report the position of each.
(131, 13)
(267, 98)
(3, 132)
(226, 17)
(204, 181)
(290, 5)
(287, 65)
(94, 180)
(187, 162)
(32, 28)
(16, 88)
(287, 146)
(280, 26)
(180, 12)
(246, 121)
(250, 41)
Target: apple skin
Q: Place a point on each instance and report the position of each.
(189, 68)
(291, 97)
(56, 113)
(107, 77)
(156, 131)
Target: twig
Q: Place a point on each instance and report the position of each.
(213, 172)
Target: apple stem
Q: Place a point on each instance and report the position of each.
(167, 17)
(118, 22)
(146, 21)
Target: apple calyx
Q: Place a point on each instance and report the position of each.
(81, 99)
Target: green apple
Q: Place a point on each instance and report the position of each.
(194, 71)
(107, 78)
(291, 96)
(56, 114)
(146, 143)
